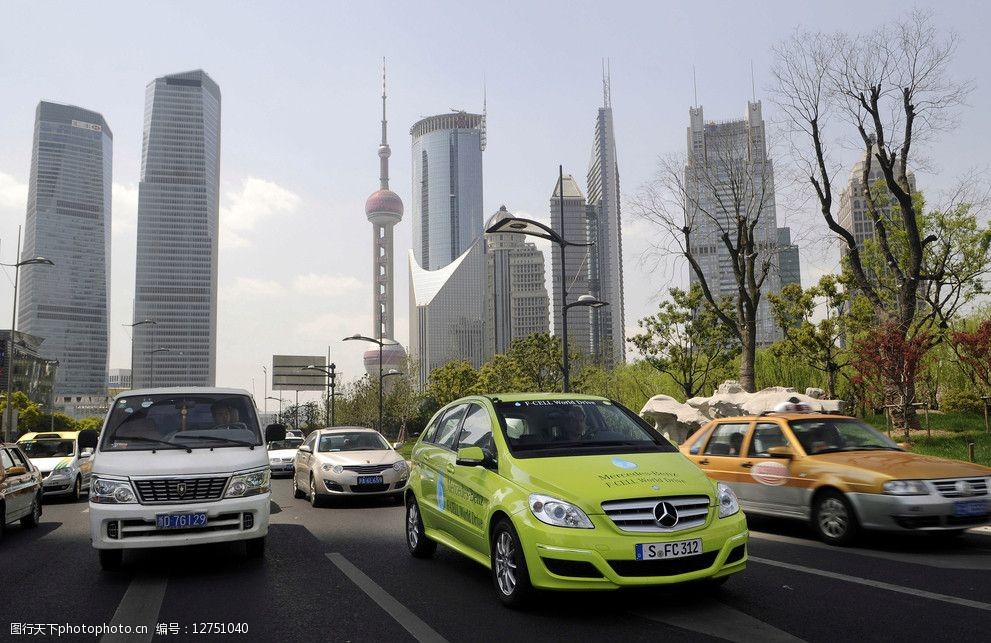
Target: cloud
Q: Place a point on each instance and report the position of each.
(13, 193)
(125, 209)
(241, 211)
(314, 284)
(246, 288)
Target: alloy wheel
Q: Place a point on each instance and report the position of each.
(505, 562)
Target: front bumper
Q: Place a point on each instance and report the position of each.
(604, 558)
(347, 483)
(228, 519)
(58, 486)
(919, 513)
(282, 468)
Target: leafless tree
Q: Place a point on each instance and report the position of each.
(886, 92)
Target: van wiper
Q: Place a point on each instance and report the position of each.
(223, 439)
(142, 438)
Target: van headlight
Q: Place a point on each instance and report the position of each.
(728, 504)
(558, 512)
(248, 484)
(111, 491)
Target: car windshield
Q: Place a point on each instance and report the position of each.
(288, 443)
(352, 441)
(181, 421)
(538, 428)
(50, 448)
(829, 435)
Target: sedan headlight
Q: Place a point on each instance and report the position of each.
(906, 488)
(400, 466)
(64, 472)
(111, 492)
(248, 484)
(558, 512)
(728, 504)
(336, 468)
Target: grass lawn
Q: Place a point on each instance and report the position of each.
(951, 435)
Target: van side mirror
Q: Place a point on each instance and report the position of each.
(780, 452)
(88, 439)
(275, 432)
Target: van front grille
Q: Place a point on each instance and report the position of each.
(180, 489)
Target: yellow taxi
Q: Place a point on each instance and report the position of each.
(838, 473)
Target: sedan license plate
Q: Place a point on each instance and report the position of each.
(369, 479)
(677, 549)
(180, 521)
(970, 508)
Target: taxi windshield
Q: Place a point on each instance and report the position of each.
(289, 443)
(181, 421)
(352, 441)
(553, 427)
(831, 435)
(50, 448)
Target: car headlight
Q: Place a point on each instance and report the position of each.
(274, 461)
(336, 468)
(558, 512)
(248, 484)
(111, 492)
(906, 488)
(64, 472)
(400, 466)
(728, 504)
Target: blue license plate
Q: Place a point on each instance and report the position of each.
(369, 479)
(180, 521)
(970, 508)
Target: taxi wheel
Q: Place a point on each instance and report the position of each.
(111, 559)
(315, 499)
(32, 519)
(297, 493)
(509, 572)
(416, 538)
(77, 490)
(833, 518)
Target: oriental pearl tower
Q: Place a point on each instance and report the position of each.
(384, 210)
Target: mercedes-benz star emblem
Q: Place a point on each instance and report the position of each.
(181, 489)
(964, 488)
(665, 515)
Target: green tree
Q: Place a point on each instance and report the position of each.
(93, 422)
(686, 340)
(451, 381)
(501, 374)
(539, 361)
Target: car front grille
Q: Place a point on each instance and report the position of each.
(368, 488)
(638, 515)
(670, 567)
(961, 487)
(168, 489)
(365, 469)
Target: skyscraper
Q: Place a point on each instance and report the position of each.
(447, 262)
(728, 177)
(384, 210)
(576, 262)
(178, 203)
(789, 264)
(516, 301)
(607, 334)
(68, 221)
(854, 214)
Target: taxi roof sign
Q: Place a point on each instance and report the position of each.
(793, 405)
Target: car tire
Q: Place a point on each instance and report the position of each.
(315, 499)
(420, 546)
(32, 519)
(509, 571)
(833, 518)
(297, 493)
(77, 489)
(111, 559)
(255, 548)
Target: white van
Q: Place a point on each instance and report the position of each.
(180, 466)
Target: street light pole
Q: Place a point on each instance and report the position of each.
(279, 400)
(331, 385)
(143, 322)
(55, 363)
(566, 370)
(9, 428)
(380, 343)
(152, 353)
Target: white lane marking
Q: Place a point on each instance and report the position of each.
(402, 615)
(140, 606)
(921, 593)
(720, 620)
(976, 560)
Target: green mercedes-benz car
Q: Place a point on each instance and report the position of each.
(559, 491)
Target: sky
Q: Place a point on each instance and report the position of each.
(301, 86)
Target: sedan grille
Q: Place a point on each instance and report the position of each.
(168, 490)
(367, 468)
(645, 515)
(962, 487)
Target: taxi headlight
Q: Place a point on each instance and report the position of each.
(248, 484)
(336, 468)
(906, 488)
(558, 512)
(111, 492)
(728, 504)
(64, 472)
(400, 466)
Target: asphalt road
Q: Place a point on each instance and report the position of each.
(342, 573)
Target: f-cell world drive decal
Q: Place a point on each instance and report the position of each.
(770, 473)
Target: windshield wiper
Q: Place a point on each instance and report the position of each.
(142, 438)
(223, 439)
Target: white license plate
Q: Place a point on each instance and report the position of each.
(677, 549)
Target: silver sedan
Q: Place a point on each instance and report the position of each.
(348, 461)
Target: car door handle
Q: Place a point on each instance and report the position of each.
(746, 465)
(704, 461)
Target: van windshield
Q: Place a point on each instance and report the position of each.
(36, 449)
(181, 421)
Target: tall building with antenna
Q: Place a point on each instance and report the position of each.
(384, 210)
(605, 229)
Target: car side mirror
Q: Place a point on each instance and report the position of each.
(86, 453)
(305, 448)
(780, 452)
(470, 457)
(275, 432)
(16, 471)
(396, 445)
